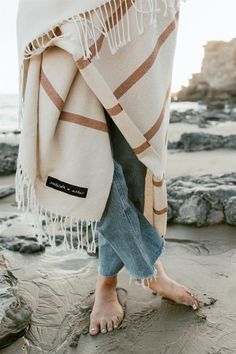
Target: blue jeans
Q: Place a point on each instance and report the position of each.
(126, 238)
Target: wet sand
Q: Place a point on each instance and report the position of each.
(60, 288)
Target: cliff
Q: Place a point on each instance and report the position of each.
(217, 78)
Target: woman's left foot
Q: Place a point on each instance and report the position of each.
(170, 289)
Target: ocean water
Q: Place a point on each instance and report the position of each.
(9, 111)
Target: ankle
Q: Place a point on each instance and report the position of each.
(107, 281)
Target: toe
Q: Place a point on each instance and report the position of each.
(116, 321)
(103, 326)
(193, 301)
(94, 328)
(195, 304)
(109, 325)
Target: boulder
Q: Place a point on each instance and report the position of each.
(15, 313)
(203, 141)
(202, 200)
(8, 158)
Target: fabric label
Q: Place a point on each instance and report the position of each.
(66, 187)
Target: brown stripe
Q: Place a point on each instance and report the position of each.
(113, 19)
(148, 63)
(85, 121)
(161, 211)
(57, 31)
(154, 129)
(82, 63)
(114, 110)
(51, 92)
(141, 148)
(158, 183)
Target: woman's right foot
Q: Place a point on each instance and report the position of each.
(107, 313)
(170, 289)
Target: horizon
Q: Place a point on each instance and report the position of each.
(187, 40)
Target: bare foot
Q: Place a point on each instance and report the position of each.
(107, 312)
(170, 289)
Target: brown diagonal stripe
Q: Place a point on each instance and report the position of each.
(110, 23)
(141, 148)
(158, 183)
(161, 211)
(50, 90)
(114, 110)
(85, 121)
(148, 63)
(154, 129)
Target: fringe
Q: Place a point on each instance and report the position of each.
(145, 282)
(117, 36)
(51, 228)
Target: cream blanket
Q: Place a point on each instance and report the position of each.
(75, 60)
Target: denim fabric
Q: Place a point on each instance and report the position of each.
(126, 238)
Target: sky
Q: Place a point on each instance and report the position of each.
(200, 22)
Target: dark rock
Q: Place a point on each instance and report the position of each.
(203, 141)
(22, 244)
(218, 116)
(15, 314)
(8, 158)
(32, 247)
(203, 118)
(230, 211)
(215, 217)
(215, 105)
(189, 116)
(5, 191)
(202, 200)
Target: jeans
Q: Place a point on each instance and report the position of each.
(126, 238)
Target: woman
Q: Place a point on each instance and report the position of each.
(95, 94)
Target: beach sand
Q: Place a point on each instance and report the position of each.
(59, 286)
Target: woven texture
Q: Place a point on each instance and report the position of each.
(120, 57)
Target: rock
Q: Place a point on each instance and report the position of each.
(193, 211)
(217, 116)
(202, 200)
(22, 244)
(215, 217)
(6, 191)
(189, 116)
(8, 158)
(230, 211)
(203, 141)
(203, 118)
(217, 79)
(215, 105)
(15, 314)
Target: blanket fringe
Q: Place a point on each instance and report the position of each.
(50, 228)
(117, 36)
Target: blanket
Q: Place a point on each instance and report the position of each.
(76, 60)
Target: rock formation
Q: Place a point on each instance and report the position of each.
(203, 200)
(15, 313)
(8, 158)
(217, 78)
(203, 141)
